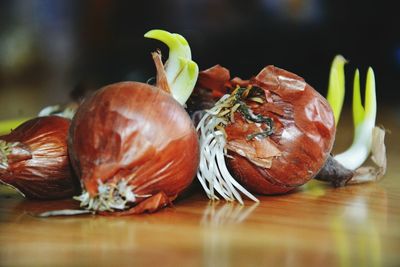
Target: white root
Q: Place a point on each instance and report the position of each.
(110, 197)
(62, 213)
(213, 173)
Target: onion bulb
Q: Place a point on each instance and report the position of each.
(132, 144)
(34, 159)
(267, 135)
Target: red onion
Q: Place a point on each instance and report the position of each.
(275, 129)
(34, 159)
(134, 147)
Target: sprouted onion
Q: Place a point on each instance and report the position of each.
(132, 144)
(34, 159)
(269, 135)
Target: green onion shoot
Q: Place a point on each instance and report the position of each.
(367, 137)
(180, 70)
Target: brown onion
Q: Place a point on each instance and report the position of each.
(134, 147)
(278, 132)
(34, 159)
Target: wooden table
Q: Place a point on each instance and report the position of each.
(315, 226)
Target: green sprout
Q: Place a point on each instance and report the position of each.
(7, 125)
(181, 72)
(363, 116)
(336, 87)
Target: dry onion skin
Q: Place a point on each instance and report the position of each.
(269, 135)
(34, 159)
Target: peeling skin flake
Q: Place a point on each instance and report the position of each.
(292, 84)
(260, 153)
(373, 173)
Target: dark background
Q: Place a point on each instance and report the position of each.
(47, 47)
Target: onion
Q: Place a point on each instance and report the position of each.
(34, 159)
(273, 132)
(131, 142)
(133, 145)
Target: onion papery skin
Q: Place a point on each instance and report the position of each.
(134, 132)
(304, 129)
(38, 164)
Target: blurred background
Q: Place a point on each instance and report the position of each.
(50, 47)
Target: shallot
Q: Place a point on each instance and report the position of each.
(34, 159)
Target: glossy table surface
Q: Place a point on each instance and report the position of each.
(317, 225)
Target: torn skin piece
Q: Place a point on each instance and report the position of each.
(149, 205)
(378, 156)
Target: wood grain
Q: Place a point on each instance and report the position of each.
(315, 226)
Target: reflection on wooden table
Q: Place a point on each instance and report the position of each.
(315, 226)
